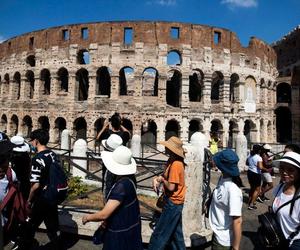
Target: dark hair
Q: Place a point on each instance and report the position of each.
(115, 121)
(4, 158)
(297, 192)
(42, 136)
(237, 181)
(255, 149)
(293, 147)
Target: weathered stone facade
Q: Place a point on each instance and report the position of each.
(288, 87)
(75, 76)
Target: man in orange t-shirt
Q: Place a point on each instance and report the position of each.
(168, 231)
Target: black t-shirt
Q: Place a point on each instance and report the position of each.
(40, 165)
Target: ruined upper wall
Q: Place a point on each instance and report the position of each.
(150, 33)
(288, 49)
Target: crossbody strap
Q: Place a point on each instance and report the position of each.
(293, 234)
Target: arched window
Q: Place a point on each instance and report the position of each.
(234, 78)
(126, 81)
(149, 134)
(83, 57)
(283, 91)
(195, 86)
(30, 60)
(27, 126)
(80, 127)
(82, 78)
(217, 82)
(283, 124)
(103, 81)
(30, 84)
(44, 123)
(14, 125)
(46, 79)
(63, 78)
(60, 125)
(17, 80)
(173, 89)
(174, 58)
(172, 129)
(150, 82)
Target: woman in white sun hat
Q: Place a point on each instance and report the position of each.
(121, 211)
(289, 191)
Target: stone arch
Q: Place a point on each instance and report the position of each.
(45, 78)
(195, 125)
(83, 56)
(126, 81)
(283, 124)
(174, 57)
(60, 124)
(5, 85)
(82, 86)
(172, 129)
(232, 133)
(29, 87)
(233, 87)
(63, 79)
(3, 123)
(44, 123)
(283, 93)
(216, 128)
(30, 60)
(250, 131)
(14, 124)
(173, 91)
(98, 125)
(250, 89)
(103, 81)
(26, 126)
(196, 86)
(80, 128)
(269, 129)
(127, 123)
(17, 88)
(216, 84)
(149, 134)
(150, 82)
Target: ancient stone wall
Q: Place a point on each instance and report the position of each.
(76, 76)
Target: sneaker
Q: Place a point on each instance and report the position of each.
(15, 246)
(259, 199)
(252, 207)
(266, 198)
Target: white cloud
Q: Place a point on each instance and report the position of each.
(163, 2)
(240, 3)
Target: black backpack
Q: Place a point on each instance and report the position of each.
(270, 233)
(56, 191)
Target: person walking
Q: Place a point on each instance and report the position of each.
(168, 230)
(121, 212)
(225, 212)
(41, 209)
(21, 164)
(255, 166)
(288, 191)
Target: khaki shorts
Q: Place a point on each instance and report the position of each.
(267, 177)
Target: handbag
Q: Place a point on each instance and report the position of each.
(270, 232)
(160, 203)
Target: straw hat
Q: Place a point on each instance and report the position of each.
(112, 142)
(21, 145)
(175, 145)
(120, 161)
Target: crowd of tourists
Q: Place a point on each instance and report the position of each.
(26, 200)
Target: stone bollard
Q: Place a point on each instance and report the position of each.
(194, 227)
(79, 150)
(136, 145)
(200, 141)
(65, 139)
(241, 151)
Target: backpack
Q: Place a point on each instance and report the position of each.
(56, 191)
(270, 232)
(14, 202)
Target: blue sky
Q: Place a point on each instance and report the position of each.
(268, 20)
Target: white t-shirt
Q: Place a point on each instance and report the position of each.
(252, 161)
(4, 190)
(227, 201)
(288, 223)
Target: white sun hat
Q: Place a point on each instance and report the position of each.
(21, 145)
(291, 158)
(267, 147)
(112, 142)
(120, 161)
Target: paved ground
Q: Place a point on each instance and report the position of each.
(250, 225)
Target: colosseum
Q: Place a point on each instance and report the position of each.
(163, 77)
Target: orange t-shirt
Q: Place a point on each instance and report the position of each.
(175, 174)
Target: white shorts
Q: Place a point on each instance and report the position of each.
(267, 177)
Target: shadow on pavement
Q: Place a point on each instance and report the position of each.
(254, 239)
